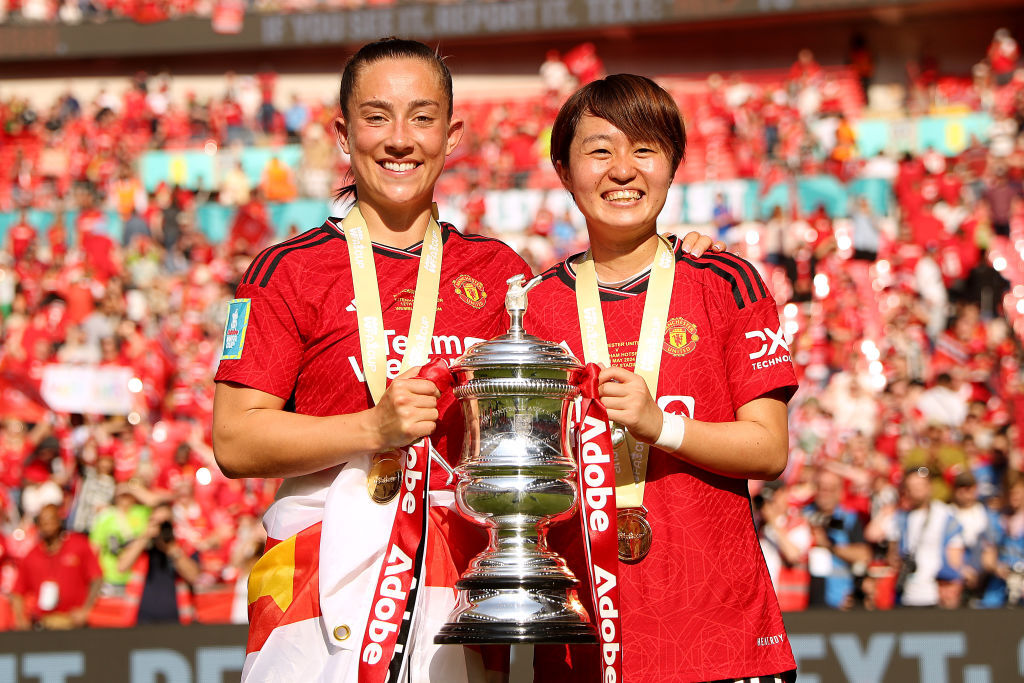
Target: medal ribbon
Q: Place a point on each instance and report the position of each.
(372, 340)
(383, 655)
(393, 614)
(631, 455)
(597, 518)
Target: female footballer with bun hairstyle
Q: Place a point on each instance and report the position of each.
(697, 373)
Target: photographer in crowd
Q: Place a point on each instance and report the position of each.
(925, 542)
(163, 572)
(979, 528)
(840, 555)
(1011, 544)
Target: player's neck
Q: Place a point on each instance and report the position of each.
(398, 227)
(616, 260)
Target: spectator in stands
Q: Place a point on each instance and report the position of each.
(941, 404)
(1010, 567)
(95, 493)
(1003, 55)
(1002, 196)
(584, 64)
(785, 541)
(116, 527)
(862, 62)
(278, 185)
(924, 538)
(932, 288)
(839, 556)
(59, 579)
(979, 528)
(295, 118)
(722, 216)
(985, 287)
(866, 231)
(235, 188)
(162, 570)
(43, 478)
(554, 74)
(251, 229)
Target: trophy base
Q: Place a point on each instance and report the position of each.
(517, 614)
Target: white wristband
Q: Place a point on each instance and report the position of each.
(673, 428)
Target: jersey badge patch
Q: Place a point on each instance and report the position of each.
(470, 290)
(680, 337)
(234, 331)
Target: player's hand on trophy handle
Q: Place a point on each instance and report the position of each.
(407, 411)
(629, 403)
(696, 244)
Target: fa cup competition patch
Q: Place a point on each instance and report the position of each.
(234, 331)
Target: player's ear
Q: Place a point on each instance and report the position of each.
(565, 177)
(455, 129)
(341, 132)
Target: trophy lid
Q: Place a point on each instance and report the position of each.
(519, 349)
(516, 347)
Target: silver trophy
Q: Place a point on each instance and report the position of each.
(517, 476)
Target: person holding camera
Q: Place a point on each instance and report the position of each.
(980, 531)
(163, 572)
(1010, 567)
(924, 540)
(839, 555)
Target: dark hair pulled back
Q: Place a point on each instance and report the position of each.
(379, 51)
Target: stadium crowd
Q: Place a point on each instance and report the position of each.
(150, 11)
(905, 482)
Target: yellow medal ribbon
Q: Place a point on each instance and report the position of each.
(631, 455)
(372, 340)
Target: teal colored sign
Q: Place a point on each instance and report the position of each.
(195, 169)
(949, 135)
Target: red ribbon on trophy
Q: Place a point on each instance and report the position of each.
(598, 518)
(384, 651)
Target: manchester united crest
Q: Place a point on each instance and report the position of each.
(470, 290)
(680, 337)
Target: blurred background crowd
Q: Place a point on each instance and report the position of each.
(131, 211)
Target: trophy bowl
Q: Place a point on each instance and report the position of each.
(516, 477)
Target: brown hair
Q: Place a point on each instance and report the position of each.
(636, 105)
(378, 51)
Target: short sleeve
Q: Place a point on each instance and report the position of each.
(90, 562)
(22, 584)
(952, 536)
(757, 355)
(263, 343)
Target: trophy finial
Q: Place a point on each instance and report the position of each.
(515, 300)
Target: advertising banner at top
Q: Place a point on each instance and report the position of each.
(420, 20)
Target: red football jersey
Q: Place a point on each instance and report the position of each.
(292, 330)
(59, 582)
(701, 605)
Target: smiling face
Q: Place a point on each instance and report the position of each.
(619, 185)
(396, 129)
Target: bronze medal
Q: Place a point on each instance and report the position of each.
(385, 478)
(635, 534)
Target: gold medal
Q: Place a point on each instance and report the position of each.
(635, 534)
(385, 478)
